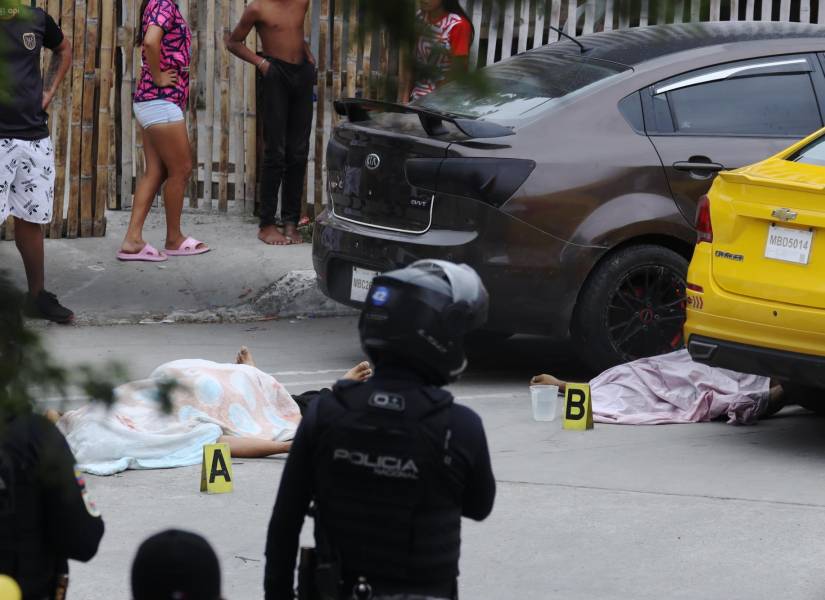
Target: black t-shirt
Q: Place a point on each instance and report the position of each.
(22, 35)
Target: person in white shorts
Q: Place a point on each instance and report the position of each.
(27, 170)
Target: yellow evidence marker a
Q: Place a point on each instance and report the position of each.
(216, 470)
(9, 590)
(578, 410)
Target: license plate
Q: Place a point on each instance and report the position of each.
(789, 245)
(361, 282)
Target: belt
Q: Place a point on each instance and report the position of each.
(406, 590)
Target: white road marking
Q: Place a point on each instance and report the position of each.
(502, 395)
(314, 382)
(341, 370)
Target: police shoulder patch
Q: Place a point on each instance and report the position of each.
(387, 401)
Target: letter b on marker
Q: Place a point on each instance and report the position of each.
(578, 410)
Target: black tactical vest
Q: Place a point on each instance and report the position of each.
(388, 504)
(23, 552)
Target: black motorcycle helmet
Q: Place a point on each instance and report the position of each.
(419, 315)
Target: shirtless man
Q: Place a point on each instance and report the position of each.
(288, 70)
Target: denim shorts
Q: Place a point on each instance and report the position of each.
(157, 112)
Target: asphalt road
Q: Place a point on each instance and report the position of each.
(699, 511)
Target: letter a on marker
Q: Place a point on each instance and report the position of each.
(578, 411)
(216, 470)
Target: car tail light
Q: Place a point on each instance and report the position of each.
(695, 288)
(704, 228)
(490, 180)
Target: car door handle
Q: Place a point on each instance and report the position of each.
(688, 165)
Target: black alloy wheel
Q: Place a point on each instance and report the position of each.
(632, 306)
(647, 312)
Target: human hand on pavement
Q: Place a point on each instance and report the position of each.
(549, 380)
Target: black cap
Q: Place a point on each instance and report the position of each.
(176, 565)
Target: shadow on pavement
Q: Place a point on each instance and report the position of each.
(794, 432)
(521, 357)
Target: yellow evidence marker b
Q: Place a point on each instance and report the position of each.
(216, 470)
(578, 410)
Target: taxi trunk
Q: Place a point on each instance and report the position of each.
(768, 233)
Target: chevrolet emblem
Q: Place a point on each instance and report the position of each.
(784, 214)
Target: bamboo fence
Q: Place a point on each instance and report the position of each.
(82, 121)
(98, 147)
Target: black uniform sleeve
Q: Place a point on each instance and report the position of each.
(53, 35)
(73, 524)
(304, 400)
(294, 495)
(480, 489)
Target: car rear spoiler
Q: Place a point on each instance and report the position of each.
(357, 109)
(784, 184)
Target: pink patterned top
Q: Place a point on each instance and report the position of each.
(175, 53)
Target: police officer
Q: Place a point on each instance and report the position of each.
(391, 464)
(46, 514)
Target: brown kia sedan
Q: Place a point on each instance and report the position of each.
(570, 181)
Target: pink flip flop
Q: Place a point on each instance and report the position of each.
(189, 247)
(147, 254)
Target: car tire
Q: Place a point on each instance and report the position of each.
(805, 396)
(631, 306)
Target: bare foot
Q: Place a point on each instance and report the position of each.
(360, 372)
(292, 233)
(244, 357)
(52, 415)
(132, 246)
(776, 400)
(270, 235)
(548, 380)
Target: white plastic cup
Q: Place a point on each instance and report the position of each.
(545, 402)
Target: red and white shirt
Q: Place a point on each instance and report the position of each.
(442, 40)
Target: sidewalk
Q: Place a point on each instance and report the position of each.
(240, 279)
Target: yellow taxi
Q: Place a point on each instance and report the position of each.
(756, 285)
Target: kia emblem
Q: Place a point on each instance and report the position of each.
(372, 162)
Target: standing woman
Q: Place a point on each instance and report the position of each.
(443, 46)
(159, 102)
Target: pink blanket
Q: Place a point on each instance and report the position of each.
(672, 388)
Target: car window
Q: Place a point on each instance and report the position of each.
(812, 154)
(770, 96)
(520, 85)
(782, 104)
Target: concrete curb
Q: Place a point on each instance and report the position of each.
(296, 294)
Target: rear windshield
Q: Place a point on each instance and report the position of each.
(812, 154)
(518, 87)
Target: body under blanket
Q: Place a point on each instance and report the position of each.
(209, 400)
